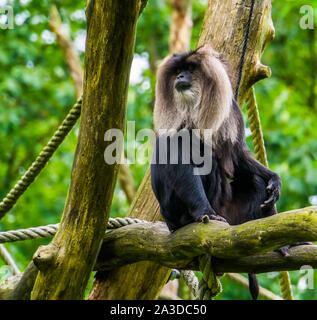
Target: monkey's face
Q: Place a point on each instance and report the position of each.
(185, 80)
(193, 90)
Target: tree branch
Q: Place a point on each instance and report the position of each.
(153, 242)
(71, 57)
(236, 249)
(23, 289)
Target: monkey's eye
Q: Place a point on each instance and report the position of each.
(191, 67)
(178, 71)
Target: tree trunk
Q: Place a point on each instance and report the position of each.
(76, 70)
(224, 28)
(181, 26)
(138, 281)
(66, 263)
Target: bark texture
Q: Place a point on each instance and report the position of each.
(153, 241)
(138, 281)
(181, 26)
(224, 27)
(66, 263)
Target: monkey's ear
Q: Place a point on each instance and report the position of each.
(200, 47)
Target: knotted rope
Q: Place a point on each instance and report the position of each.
(209, 285)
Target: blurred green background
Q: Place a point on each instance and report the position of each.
(36, 92)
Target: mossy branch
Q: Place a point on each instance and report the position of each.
(153, 242)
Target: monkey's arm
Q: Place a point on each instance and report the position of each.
(189, 189)
(251, 166)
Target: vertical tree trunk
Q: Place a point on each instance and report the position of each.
(137, 281)
(66, 263)
(224, 28)
(181, 26)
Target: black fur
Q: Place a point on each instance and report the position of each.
(186, 198)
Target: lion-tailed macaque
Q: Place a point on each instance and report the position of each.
(194, 99)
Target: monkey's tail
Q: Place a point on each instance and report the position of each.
(253, 286)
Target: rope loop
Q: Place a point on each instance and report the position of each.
(210, 285)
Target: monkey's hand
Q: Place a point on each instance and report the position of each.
(205, 218)
(273, 189)
(206, 213)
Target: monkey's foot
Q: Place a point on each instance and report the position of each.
(284, 251)
(273, 188)
(205, 218)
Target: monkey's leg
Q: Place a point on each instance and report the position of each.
(190, 190)
(188, 187)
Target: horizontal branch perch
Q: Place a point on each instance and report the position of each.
(235, 249)
(153, 242)
(300, 256)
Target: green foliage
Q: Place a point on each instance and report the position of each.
(37, 92)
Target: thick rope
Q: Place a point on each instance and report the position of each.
(260, 155)
(40, 162)
(191, 281)
(258, 141)
(209, 285)
(285, 283)
(50, 230)
(256, 129)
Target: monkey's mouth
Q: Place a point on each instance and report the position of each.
(182, 86)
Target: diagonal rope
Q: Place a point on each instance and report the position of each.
(12, 197)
